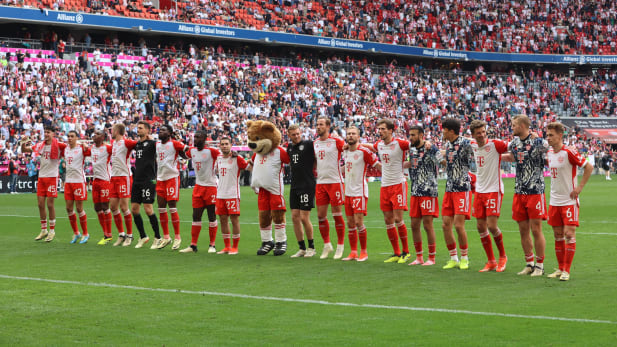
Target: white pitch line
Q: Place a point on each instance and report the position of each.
(309, 301)
(368, 227)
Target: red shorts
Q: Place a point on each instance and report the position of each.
(329, 193)
(355, 204)
(227, 207)
(487, 204)
(100, 191)
(267, 201)
(75, 191)
(420, 206)
(204, 196)
(563, 215)
(393, 197)
(47, 186)
(526, 207)
(169, 189)
(457, 203)
(120, 187)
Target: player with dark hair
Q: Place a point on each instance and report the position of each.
(168, 183)
(100, 153)
(50, 150)
(563, 208)
(302, 191)
(204, 194)
(456, 206)
(229, 165)
(393, 193)
(75, 190)
(488, 193)
(424, 203)
(143, 190)
(529, 204)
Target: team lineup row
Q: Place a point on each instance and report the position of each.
(217, 190)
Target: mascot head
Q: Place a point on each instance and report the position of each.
(263, 136)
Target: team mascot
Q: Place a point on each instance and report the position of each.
(267, 181)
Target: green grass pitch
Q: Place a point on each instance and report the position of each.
(63, 294)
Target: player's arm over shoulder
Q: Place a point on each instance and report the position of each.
(284, 155)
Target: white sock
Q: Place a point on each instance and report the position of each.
(266, 233)
(280, 234)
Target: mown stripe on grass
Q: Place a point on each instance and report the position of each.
(368, 227)
(309, 301)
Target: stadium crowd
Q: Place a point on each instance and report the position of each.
(219, 90)
(547, 27)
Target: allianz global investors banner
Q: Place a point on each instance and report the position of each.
(603, 128)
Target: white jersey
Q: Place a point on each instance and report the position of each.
(392, 156)
(229, 176)
(268, 171)
(356, 164)
(74, 159)
(49, 166)
(563, 165)
(167, 159)
(204, 162)
(328, 155)
(488, 164)
(120, 157)
(100, 162)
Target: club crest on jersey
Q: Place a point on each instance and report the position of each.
(487, 149)
(230, 161)
(355, 156)
(328, 144)
(456, 147)
(301, 147)
(560, 159)
(421, 154)
(528, 147)
(145, 144)
(391, 146)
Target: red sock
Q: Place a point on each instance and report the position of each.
(44, 225)
(227, 240)
(164, 222)
(353, 239)
(488, 246)
(539, 259)
(560, 249)
(83, 222)
(128, 222)
(402, 234)
(101, 216)
(108, 220)
(236, 240)
(73, 221)
(465, 250)
(529, 258)
(362, 236)
(212, 229)
(452, 249)
(418, 247)
(52, 225)
(175, 221)
(499, 242)
(324, 230)
(570, 250)
(195, 230)
(393, 237)
(431, 251)
(118, 221)
(339, 226)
